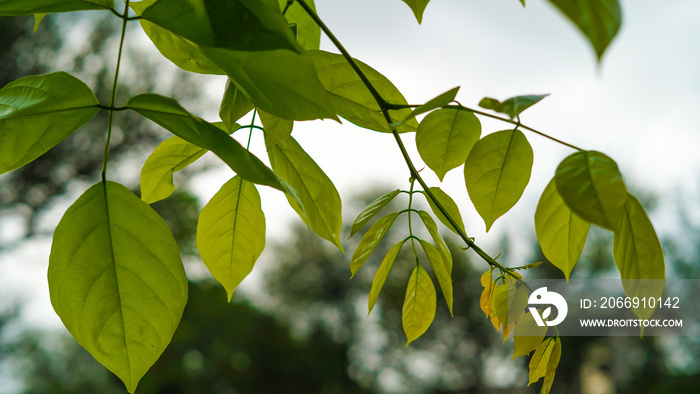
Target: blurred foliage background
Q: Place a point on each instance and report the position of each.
(304, 330)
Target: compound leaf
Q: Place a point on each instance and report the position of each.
(231, 232)
(372, 209)
(38, 112)
(598, 20)
(28, 7)
(443, 276)
(382, 274)
(445, 137)
(419, 305)
(418, 7)
(497, 172)
(560, 232)
(116, 280)
(370, 241)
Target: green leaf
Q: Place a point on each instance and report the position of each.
(372, 209)
(276, 128)
(591, 185)
(439, 267)
(170, 156)
(170, 115)
(513, 106)
(508, 301)
(350, 96)
(382, 274)
(497, 172)
(38, 112)
(419, 305)
(238, 25)
(417, 6)
(560, 232)
(445, 137)
(449, 205)
(37, 19)
(527, 335)
(638, 255)
(28, 7)
(231, 232)
(234, 105)
(437, 238)
(437, 102)
(544, 363)
(308, 32)
(370, 241)
(116, 280)
(321, 208)
(182, 52)
(598, 20)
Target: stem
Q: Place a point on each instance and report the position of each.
(252, 126)
(410, 228)
(114, 93)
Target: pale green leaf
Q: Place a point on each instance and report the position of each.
(351, 98)
(544, 362)
(382, 274)
(437, 238)
(116, 280)
(551, 367)
(308, 32)
(38, 112)
(419, 305)
(512, 106)
(591, 185)
(231, 233)
(598, 20)
(449, 205)
(370, 241)
(509, 301)
(418, 7)
(276, 128)
(440, 269)
(28, 7)
(497, 172)
(437, 102)
(234, 105)
(321, 208)
(638, 255)
(372, 209)
(445, 137)
(560, 232)
(527, 335)
(170, 156)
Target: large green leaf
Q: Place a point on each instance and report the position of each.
(38, 112)
(638, 255)
(351, 98)
(276, 128)
(371, 210)
(512, 106)
(449, 205)
(370, 241)
(419, 305)
(560, 232)
(321, 207)
(497, 172)
(591, 185)
(437, 238)
(445, 137)
(116, 280)
(234, 105)
(239, 25)
(182, 52)
(231, 232)
(28, 7)
(382, 274)
(439, 268)
(599, 20)
(418, 7)
(308, 31)
(170, 115)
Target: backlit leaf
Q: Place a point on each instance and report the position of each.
(445, 137)
(231, 232)
(116, 280)
(38, 112)
(437, 102)
(598, 20)
(382, 274)
(544, 362)
(527, 335)
(276, 128)
(449, 205)
(591, 185)
(417, 6)
(321, 208)
(370, 241)
(509, 301)
(372, 209)
(351, 98)
(560, 232)
(512, 106)
(234, 105)
(437, 238)
(28, 7)
(308, 32)
(497, 172)
(485, 299)
(419, 305)
(444, 278)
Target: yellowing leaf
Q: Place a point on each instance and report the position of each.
(560, 232)
(170, 156)
(419, 305)
(370, 241)
(231, 232)
(485, 300)
(382, 274)
(527, 335)
(443, 276)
